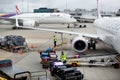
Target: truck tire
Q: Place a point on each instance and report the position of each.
(116, 65)
(52, 74)
(82, 76)
(74, 65)
(44, 66)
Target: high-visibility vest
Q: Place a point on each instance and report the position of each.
(1, 78)
(55, 38)
(63, 57)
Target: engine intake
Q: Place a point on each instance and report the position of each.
(28, 23)
(80, 44)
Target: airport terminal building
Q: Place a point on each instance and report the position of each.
(45, 10)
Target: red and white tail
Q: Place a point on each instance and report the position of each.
(17, 9)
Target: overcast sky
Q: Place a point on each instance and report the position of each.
(29, 5)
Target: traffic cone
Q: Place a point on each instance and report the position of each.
(32, 46)
(20, 52)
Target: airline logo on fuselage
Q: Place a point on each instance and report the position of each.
(54, 15)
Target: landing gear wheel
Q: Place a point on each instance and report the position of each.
(68, 26)
(80, 26)
(14, 28)
(84, 26)
(18, 28)
(116, 65)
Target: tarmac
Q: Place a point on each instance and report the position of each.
(41, 40)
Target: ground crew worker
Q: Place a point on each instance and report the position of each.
(55, 40)
(63, 57)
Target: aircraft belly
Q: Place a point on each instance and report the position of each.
(105, 36)
(117, 42)
(109, 39)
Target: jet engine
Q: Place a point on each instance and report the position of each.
(80, 44)
(30, 23)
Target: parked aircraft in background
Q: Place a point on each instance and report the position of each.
(88, 18)
(34, 19)
(107, 29)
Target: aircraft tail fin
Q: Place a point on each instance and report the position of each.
(98, 11)
(17, 9)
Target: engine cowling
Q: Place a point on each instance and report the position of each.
(79, 44)
(30, 23)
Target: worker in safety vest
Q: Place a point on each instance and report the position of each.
(63, 57)
(55, 40)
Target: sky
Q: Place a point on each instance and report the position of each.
(29, 5)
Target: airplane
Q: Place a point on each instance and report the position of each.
(34, 19)
(107, 29)
(88, 18)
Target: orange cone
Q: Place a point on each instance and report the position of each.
(20, 52)
(32, 46)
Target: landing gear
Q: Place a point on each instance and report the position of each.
(92, 44)
(84, 26)
(68, 26)
(116, 65)
(14, 28)
(80, 26)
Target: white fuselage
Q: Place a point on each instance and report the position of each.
(54, 18)
(108, 29)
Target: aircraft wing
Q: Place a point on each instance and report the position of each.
(65, 32)
(6, 17)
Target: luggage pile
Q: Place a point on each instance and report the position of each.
(64, 72)
(46, 57)
(5, 63)
(12, 43)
